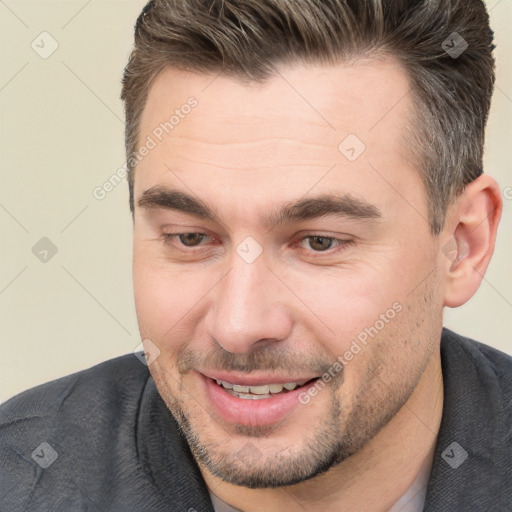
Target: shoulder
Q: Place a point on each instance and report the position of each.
(475, 436)
(493, 366)
(479, 375)
(85, 420)
(477, 421)
(116, 381)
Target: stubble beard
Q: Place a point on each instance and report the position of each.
(341, 434)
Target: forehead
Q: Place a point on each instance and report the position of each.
(354, 97)
(276, 138)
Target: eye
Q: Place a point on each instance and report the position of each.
(319, 243)
(323, 244)
(185, 239)
(315, 245)
(191, 239)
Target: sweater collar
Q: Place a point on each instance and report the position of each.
(469, 459)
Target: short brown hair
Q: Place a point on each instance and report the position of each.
(248, 39)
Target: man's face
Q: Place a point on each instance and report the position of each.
(259, 290)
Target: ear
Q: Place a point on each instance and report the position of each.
(469, 237)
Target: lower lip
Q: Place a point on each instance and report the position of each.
(254, 413)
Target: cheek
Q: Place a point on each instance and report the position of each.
(346, 301)
(154, 297)
(167, 299)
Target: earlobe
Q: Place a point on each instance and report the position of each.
(471, 233)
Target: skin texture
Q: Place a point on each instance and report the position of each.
(245, 150)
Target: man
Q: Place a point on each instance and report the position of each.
(307, 193)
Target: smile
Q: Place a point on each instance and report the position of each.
(253, 399)
(259, 392)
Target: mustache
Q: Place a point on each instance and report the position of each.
(261, 359)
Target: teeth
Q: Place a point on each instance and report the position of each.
(276, 388)
(255, 392)
(240, 389)
(248, 396)
(260, 390)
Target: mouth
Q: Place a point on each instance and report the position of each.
(240, 400)
(260, 392)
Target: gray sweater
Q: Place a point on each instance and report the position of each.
(102, 440)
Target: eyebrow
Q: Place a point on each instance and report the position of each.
(344, 205)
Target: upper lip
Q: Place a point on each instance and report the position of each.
(254, 379)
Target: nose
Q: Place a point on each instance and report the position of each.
(248, 308)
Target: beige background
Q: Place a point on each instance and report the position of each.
(61, 135)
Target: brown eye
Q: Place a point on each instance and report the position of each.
(191, 239)
(320, 243)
